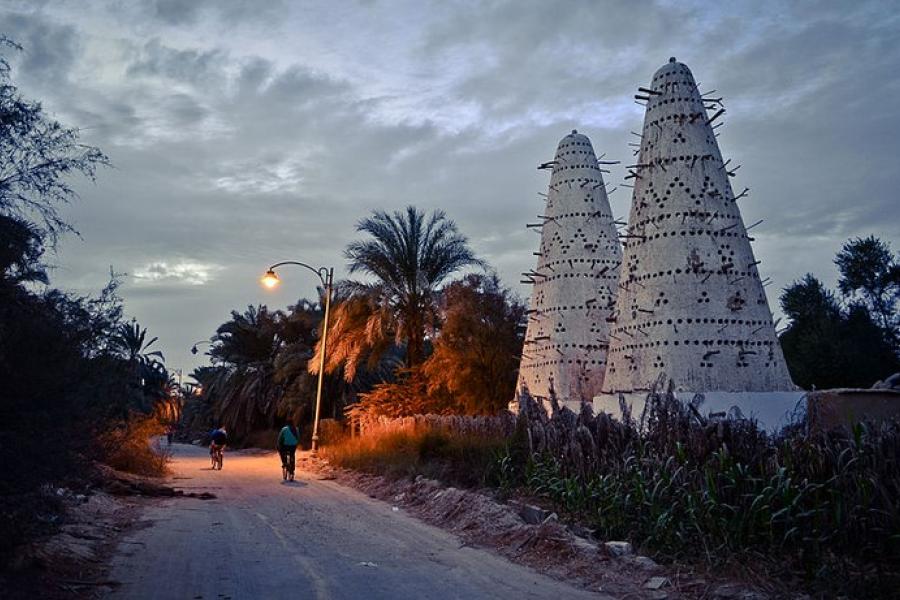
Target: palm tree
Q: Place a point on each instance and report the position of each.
(409, 255)
(161, 392)
(130, 339)
(243, 391)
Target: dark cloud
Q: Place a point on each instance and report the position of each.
(186, 13)
(50, 49)
(245, 133)
(193, 66)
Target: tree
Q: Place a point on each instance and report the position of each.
(409, 255)
(157, 391)
(870, 355)
(870, 274)
(409, 394)
(60, 367)
(161, 393)
(300, 329)
(810, 341)
(37, 156)
(243, 391)
(261, 374)
(829, 346)
(361, 338)
(21, 249)
(131, 341)
(476, 355)
(197, 414)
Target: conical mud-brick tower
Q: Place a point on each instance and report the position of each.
(574, 281)
(691, 306)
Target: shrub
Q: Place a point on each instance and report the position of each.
(127, 446)
(331, 431)
(456, 459)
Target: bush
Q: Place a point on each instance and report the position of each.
(464, 460)
(331, 431)
(128, 446)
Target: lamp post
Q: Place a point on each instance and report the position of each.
(326, 276)
(194, 347)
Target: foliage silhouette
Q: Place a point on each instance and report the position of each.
(827, 345)
(870, 275)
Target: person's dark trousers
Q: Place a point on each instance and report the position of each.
(288, 457)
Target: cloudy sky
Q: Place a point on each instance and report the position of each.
(244, 133)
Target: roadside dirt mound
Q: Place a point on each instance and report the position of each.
(533, 536)
(547, 546)
(70, 563)
(119, 483)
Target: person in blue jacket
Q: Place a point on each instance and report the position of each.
(218, 438)
(288, 440)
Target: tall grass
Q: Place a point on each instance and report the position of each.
(684, 488)
(462, 459)
(821, 506)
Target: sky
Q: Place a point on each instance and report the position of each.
(246, 133)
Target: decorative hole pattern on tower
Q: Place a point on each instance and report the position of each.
(574, 282)
(690, 301)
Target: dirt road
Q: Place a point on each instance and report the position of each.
(262, 538)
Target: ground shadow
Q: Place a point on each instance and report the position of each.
(295, 483)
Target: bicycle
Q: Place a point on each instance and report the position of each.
(217, 456)
(288, 465)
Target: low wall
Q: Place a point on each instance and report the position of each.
(501, 425)
(846, 407)
(771, 410)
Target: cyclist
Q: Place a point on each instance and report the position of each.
(287, 442)
(217, 440)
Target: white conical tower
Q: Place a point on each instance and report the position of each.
(691, 306)
(574, 281)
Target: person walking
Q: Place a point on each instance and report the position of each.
(288, 440)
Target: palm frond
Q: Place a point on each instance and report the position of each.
(410, 255)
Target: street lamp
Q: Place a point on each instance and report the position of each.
(194, 347)
(326, 276)
(270, 279)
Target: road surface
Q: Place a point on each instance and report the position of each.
(263, 538)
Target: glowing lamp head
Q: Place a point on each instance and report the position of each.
(270, 279)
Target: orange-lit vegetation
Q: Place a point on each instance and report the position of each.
(456, 458)
(132, 445)
(476, 356)
(409, 255)
(406, 341)
(473, 364)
